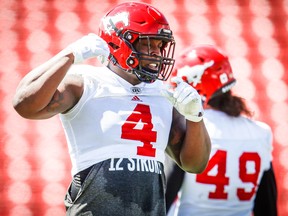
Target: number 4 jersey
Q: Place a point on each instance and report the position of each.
(241, 152)
(115, 119)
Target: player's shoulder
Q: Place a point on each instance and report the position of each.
(258, 128)
(91, 74)
(262, 125)
(85, 70)
(217, 120)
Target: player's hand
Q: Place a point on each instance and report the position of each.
(185, 99)
(89, 46)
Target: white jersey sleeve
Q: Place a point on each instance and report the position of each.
(241, 152)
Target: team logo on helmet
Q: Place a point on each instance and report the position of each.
(194, 74)
(109, 22)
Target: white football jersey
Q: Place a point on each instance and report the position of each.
(241, 152)
(114, 119)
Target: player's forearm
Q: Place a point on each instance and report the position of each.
(196, 148)
(37, 88)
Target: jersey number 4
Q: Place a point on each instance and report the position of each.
(141, 114)
(220, 179)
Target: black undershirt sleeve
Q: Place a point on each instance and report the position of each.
(174, 181)
(266, 197)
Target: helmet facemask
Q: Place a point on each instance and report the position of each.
(161, 65)
(150, 66)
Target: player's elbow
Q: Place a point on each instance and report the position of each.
(22, 111)
(17, 104)
(194, 167)
(24, 108)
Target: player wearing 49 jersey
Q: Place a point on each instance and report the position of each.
(239, 177)
(119, 119)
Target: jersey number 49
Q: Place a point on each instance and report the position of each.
(220, 179)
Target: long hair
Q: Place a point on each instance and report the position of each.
(230, 104)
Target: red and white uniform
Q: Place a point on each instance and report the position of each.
(241, 152)
(115, 119)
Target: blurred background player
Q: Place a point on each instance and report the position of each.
(239, 178)
(117, 122)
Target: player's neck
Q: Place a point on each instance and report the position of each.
(129, 77)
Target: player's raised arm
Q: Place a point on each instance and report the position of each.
(44, 92)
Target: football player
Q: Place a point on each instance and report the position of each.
(239, 178)
(119, 118)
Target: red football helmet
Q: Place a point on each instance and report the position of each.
(133, 22)
(207, 69)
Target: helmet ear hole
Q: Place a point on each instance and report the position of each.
(219, 69)
(114, 46)
(201, 59)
